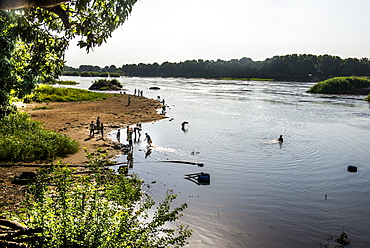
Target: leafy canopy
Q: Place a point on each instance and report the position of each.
(34, 35)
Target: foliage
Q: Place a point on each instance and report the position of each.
(340, 85)
(115, 74)
(46, 93)
(303, 67)
(33, 40)
(23, 139)
(104, 84)
(70, 73)
(112, 81)
(92, 71)
(100, 209)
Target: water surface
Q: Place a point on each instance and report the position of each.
(262, 193)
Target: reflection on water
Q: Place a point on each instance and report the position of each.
(263, 193)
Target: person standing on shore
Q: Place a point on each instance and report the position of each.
(148, 139)
(92, 129)
(128, 100)
(98, 124)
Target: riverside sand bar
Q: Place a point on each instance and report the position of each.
(73, 118)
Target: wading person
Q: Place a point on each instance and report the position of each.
(119, 135)
(148, 139)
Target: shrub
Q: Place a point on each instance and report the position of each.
(101, 209)
(70, 73)
(86, 74)
(340, 85)
(24, 140)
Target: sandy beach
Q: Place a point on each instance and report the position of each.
(73, 119)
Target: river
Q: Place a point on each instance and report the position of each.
(262, 193)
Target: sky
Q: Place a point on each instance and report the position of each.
(179, 30)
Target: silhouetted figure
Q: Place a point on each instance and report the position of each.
(98, 124)
(148, 139)
(92, 129)
(280, 139)
(129, 137)
(183, 126)
(119, 135)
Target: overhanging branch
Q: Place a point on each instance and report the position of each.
(18, 4)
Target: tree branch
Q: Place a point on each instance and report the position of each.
(18, 4)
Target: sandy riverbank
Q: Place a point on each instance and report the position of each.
(73, 118)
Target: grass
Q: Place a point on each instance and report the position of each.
(45, 93)
(25, 140)
(340, 85)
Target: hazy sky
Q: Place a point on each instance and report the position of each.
(179, 30)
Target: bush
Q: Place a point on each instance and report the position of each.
(103, 74)
(24, 140)
(340, 85)
(114, 74)
(101, 209)
(70, 73)
(86, 74)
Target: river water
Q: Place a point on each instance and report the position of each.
(262, 193)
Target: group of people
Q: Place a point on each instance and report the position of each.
(139, 92)
(98, 126)
(133, 135)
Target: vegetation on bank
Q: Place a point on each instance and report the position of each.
(92, 74)
(341, 85)
(62, 82)
(99, 209)
(46, 93)
(104, 84)
(25, 140)
(292, 67)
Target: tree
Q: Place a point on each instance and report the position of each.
(34, 35)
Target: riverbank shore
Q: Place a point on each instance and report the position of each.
(73, 119)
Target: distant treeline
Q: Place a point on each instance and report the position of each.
(93, 71)
(303, 67)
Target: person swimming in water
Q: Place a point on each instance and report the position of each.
(280, 139)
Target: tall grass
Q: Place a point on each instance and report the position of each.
(25, 140)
